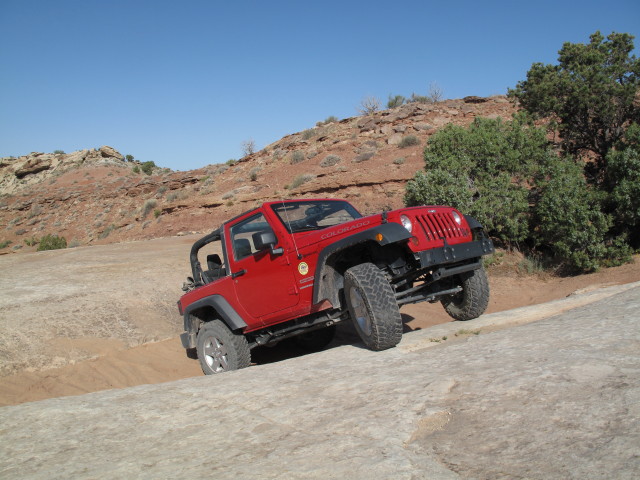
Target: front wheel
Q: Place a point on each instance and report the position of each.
(372, 306)
(220, 350)
(473, 300)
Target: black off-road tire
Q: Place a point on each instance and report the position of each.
(372, 306)
(472, 301)
(220, 350)
(316, 340)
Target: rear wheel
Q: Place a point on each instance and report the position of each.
(221, 350)
(372, 306)
(473, 300)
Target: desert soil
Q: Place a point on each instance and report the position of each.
(94, 318)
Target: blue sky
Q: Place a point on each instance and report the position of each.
(184, 83)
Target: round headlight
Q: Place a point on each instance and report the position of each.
(406, 222)
(456, 217)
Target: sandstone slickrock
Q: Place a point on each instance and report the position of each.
(557, 398)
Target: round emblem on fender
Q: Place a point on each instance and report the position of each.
(303, 268)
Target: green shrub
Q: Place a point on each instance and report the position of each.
(399, 161)
(157, 212)
(30, 242)
(136, 169)
(253, 174)
(415, 98)
(395, 101)
(327, 121)
(52, 242)
(408, 141)
(505, 175)
(569, 219)
(129, 158)
(58, 152)
(5, 243)
(147, 167)
(484, 170)
(623, 182)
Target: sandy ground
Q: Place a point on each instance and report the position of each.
(88, 319)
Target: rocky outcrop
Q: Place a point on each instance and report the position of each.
(28, 170)
(34, 164)
(366, 160)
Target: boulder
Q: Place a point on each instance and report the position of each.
(474, 99)
(110, 152)
(33, 165)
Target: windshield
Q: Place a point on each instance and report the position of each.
(304, 216)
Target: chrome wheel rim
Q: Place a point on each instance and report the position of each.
(360, 311)
(216, 355)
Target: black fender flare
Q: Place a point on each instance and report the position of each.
(227, 313)
(391, 233)
(473, 223)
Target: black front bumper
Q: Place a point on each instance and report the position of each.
(455, 253)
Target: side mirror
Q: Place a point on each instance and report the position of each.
(264, 240)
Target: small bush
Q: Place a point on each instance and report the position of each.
(297, 157)
(301, 179)
(310, 133)
(52, 242)
(58, 152)
(157, 212)
(435, 93)
(147, 167)
(148, 206)
(253, 174)
(364, 157)
(369, 105)
(129, 158)
(408, 141)
(30, 242)
(248, 147)
(231, 162)
(395, 101)
(328, 120)
(5, 243)
(415, 98)
(136, 169)
(330, 160)
(399, 161)
(107, 231)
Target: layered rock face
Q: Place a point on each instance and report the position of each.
(94, 196)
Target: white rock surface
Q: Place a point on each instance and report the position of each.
(556, 398)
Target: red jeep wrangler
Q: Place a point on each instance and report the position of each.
(297, 267)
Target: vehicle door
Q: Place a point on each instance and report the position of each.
(264, 282)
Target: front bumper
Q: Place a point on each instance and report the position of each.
(455, 253)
